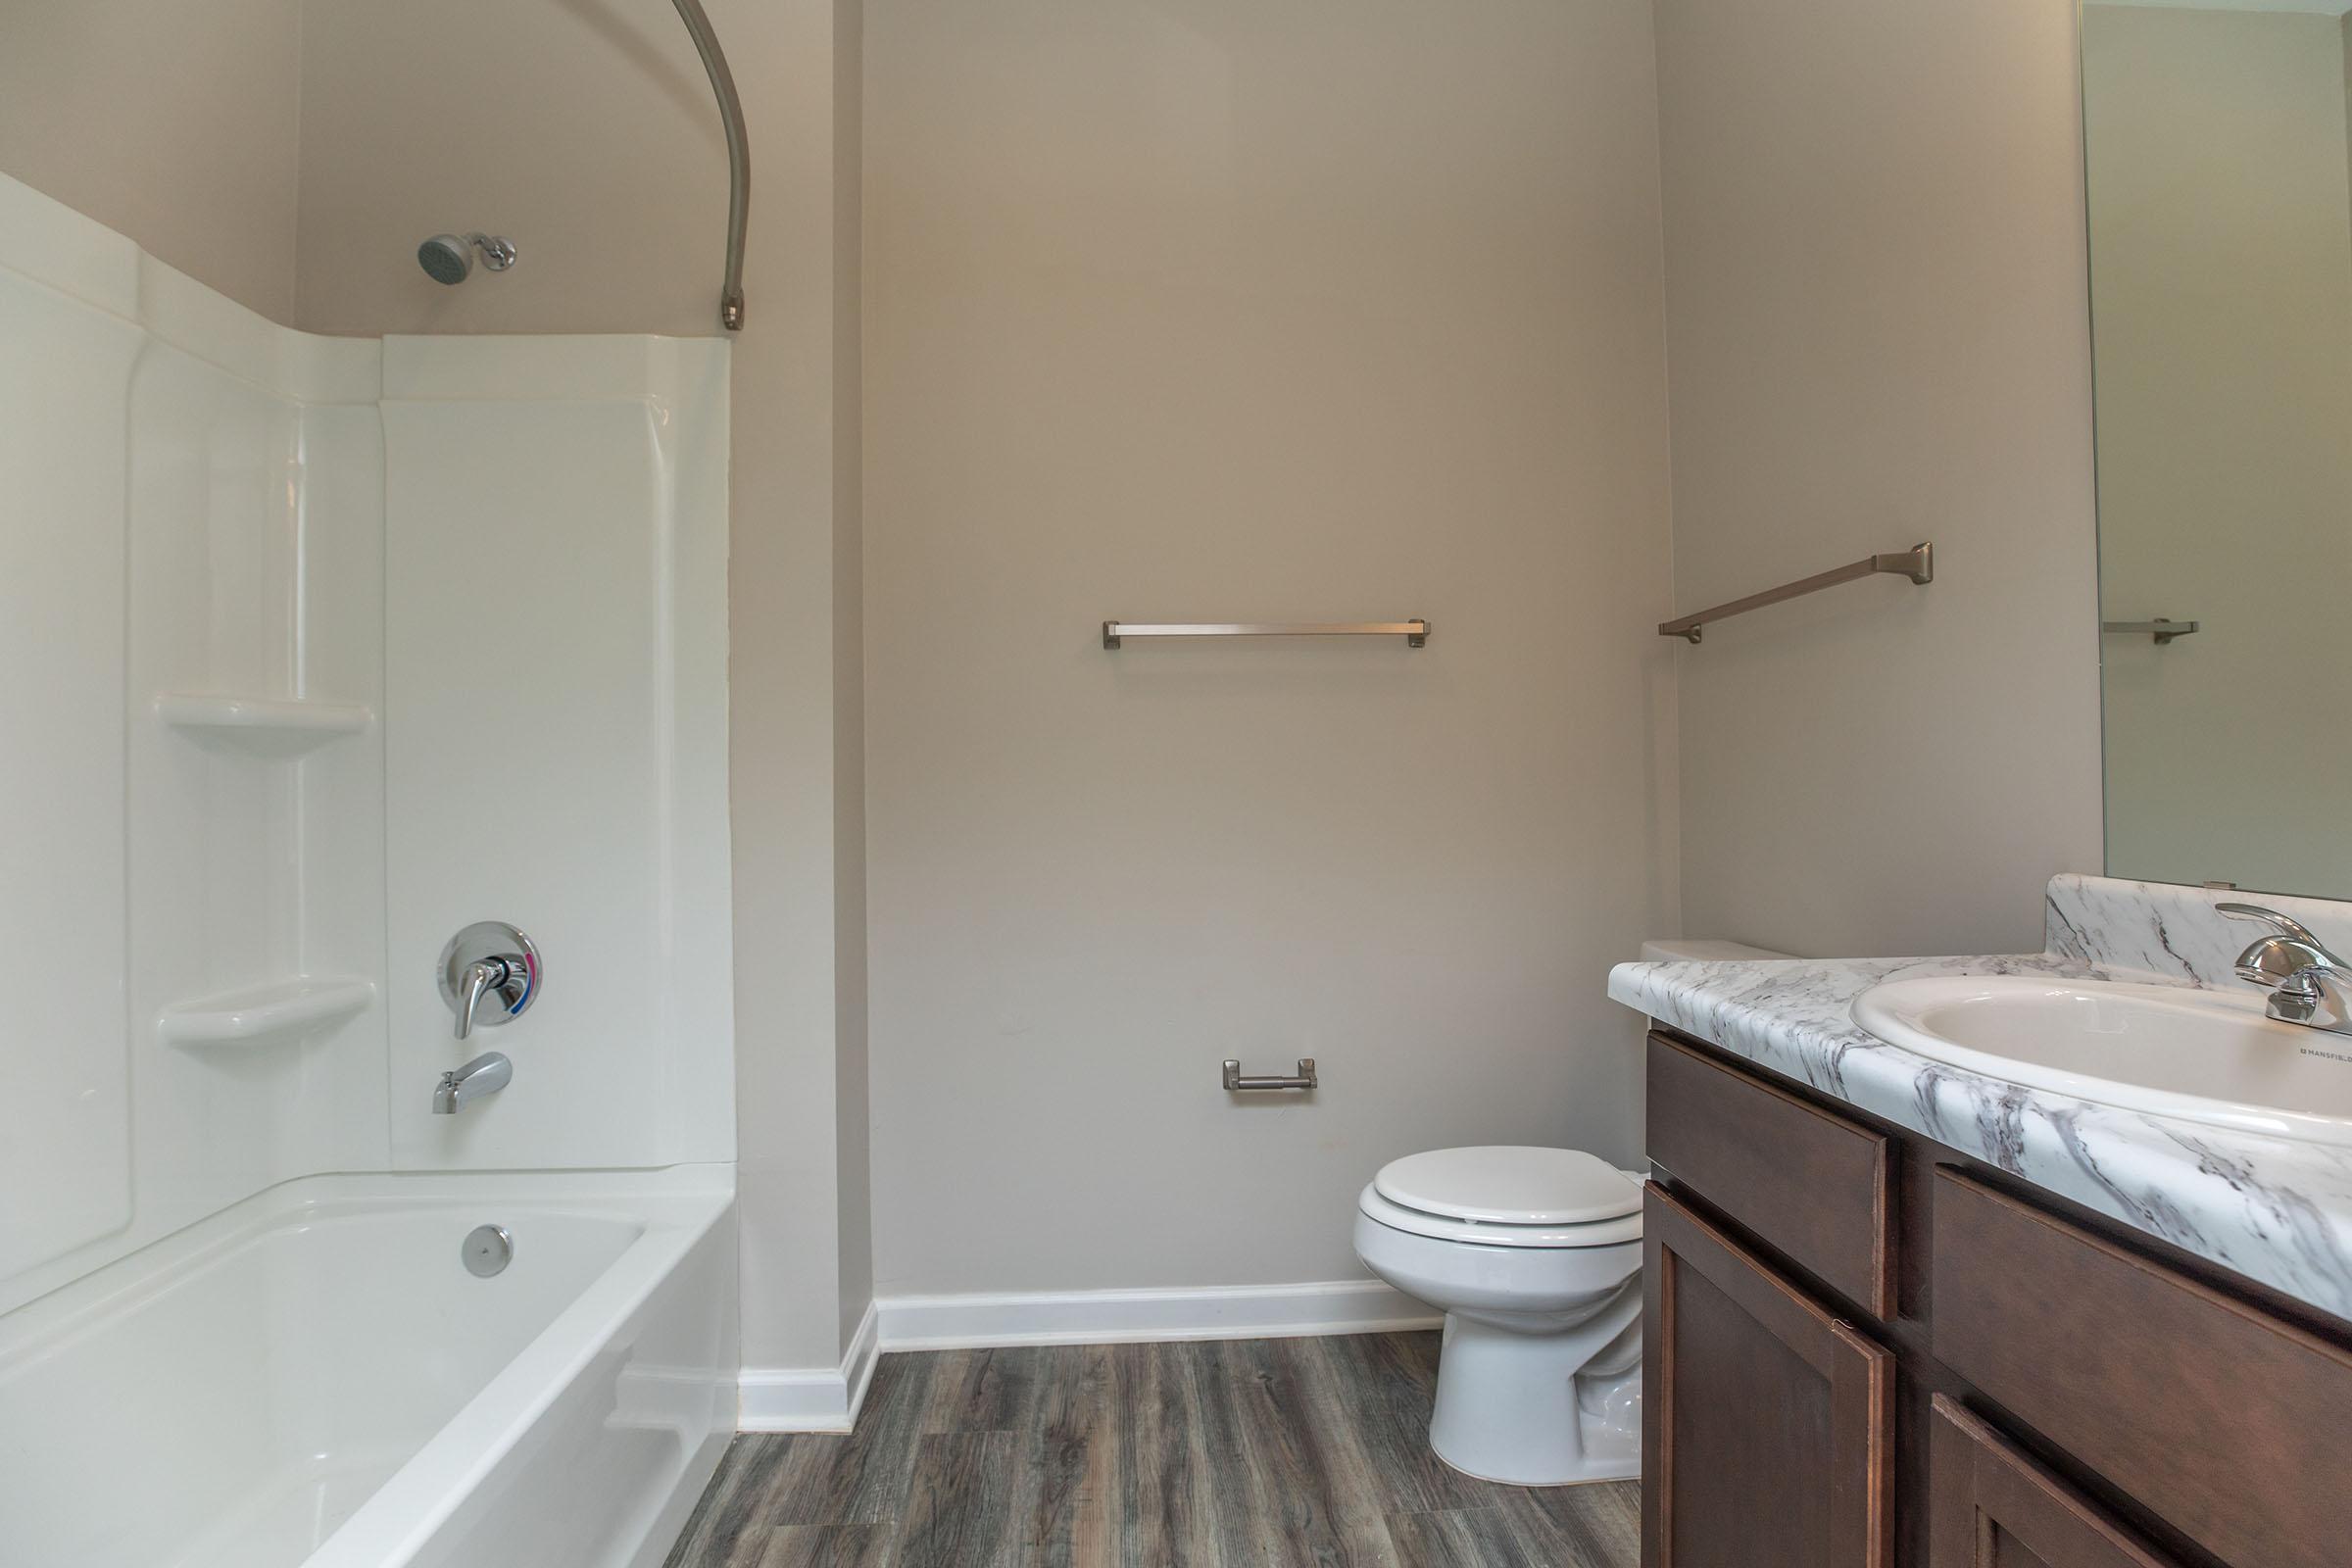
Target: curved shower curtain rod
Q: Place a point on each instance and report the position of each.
(739, 157)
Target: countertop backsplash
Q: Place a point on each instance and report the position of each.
(2163, 928)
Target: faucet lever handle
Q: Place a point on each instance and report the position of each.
(478, 979)
(2283, 924)
(2291, 961)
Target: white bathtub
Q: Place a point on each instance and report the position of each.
(314, 1378)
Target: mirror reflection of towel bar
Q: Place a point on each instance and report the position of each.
(2163, 630)
(1306, 1079)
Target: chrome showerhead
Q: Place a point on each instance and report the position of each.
(448, 257)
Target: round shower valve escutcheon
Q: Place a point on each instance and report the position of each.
(489, 974)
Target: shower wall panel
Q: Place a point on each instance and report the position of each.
(557, 582)
(190, 625)
(204, 963)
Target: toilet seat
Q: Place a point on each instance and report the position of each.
(1507, 1196)
(1479, 1233)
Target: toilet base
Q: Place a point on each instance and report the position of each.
(1543, 1409)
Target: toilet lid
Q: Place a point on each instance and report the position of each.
(1510, 1185)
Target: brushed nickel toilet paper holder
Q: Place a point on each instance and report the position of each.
(1306, 1078)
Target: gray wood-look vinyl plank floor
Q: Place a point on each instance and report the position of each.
(1246, 1453)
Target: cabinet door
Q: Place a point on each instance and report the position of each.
(1993, 1507)
(1768, 1424)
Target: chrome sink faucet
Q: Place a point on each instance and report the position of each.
(483, 1075)
(2309, 985)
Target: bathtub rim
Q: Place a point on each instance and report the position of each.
(675, 1209)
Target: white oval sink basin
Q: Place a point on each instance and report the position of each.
(2200, 1056)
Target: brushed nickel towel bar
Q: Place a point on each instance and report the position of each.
(1916, 564)
(1414, 632)
(1236, 1082)
(2163, 630)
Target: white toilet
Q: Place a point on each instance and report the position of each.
(1535, 1257)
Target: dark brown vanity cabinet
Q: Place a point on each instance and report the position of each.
(1775, 1446)
(1866, 1350)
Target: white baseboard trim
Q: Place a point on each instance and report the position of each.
(858, 1362)
(814, 1399)
(1114, 1317)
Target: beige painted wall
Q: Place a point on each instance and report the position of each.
(1878, 336)
(171, 123)
(1340, 309)
(584, 129)
(2221, 247)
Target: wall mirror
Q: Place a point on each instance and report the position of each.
(2219, 158)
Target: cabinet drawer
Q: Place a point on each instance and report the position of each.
(1808, 1181)
(2228, 1424)
(1991, 1506)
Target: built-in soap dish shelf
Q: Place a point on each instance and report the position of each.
(264, 1012)
(261, 723)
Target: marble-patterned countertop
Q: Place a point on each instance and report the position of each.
(2275, 1210)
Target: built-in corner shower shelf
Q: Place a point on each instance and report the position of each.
(263, 723)
(259, 1012)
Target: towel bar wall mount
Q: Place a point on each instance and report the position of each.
(1916, 564)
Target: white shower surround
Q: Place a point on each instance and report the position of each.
(314, 650)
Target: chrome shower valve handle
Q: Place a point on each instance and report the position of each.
(480, 978)
(489, 975)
